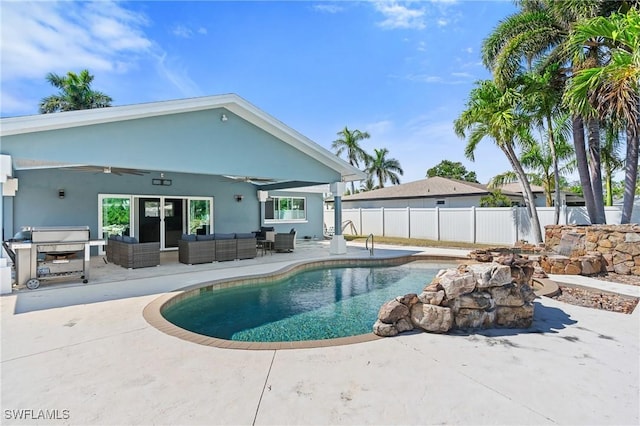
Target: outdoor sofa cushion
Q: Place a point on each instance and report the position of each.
(219, 236)
(207, 237)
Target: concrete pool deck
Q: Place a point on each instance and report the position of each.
(85, 355)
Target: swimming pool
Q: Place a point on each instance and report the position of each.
(315, 304)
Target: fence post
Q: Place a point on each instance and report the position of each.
(408, 222)
(515, 212)
(382, 216)
(360, 219)
(473, 224)
(437, 223)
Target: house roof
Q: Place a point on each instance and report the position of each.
(426, 188)
(231, 102)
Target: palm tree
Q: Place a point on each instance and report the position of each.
(539, 32)
(349, 143)
(368, 184)
(75, 93)
(547, 170)
(610, 90)
(496, 113)
(384, 168)
(611, 161)
(543, 96)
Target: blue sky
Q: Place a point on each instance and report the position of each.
(401, 71)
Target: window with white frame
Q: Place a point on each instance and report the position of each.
(285, 209)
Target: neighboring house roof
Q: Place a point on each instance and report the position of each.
(515, 187)
(231, 102)
(426, 188)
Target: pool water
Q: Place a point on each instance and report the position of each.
(311, 305)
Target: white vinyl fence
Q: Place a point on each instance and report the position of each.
(473, 224)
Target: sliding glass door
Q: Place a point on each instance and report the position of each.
(154, 218)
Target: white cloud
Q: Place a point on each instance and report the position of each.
(399, 16)
(202, 31)
(104, 37)
(328, 8)
(43, 37)
(182, 31)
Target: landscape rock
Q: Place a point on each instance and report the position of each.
(431, 297)
(384, 330)
(474, 319)
(435, 319)
(514, 317)
(392, 311)
(475, 296)
(490, 275)
(456, 283)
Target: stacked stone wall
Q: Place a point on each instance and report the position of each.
(592, 249)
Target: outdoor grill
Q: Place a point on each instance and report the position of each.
(41, 253)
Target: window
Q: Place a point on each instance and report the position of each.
(440, 202)
(285, 208)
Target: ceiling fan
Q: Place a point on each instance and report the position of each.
(118, 171)
(250, 179)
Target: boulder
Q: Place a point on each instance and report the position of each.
(408, 299)
(392, 311)
(490, 275)
(456, 283)
(507, 295)
(403, 325)
(435, 319)
(476, 300)
(384, 330)
(431, 297)
(514, 317)
(474, 318)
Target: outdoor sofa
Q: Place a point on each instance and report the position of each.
(127, 252)
(194, 249)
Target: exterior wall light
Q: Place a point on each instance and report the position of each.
(61, 193)
(238, 197)
(224, 118)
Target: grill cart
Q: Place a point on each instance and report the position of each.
(42, 253)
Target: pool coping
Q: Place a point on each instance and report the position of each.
(152, 312)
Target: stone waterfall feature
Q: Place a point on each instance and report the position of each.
(476, 296)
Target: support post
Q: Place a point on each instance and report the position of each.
(8, 187)
(337, 245)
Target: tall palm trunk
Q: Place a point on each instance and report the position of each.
(526, 190)
(556, 171)
(583, 168)
(595, 169)
(631, 173)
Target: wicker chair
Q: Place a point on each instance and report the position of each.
(194, 252)
(132, 255)
(285, 241)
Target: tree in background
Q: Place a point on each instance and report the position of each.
(384, 168)
(349, 144)
(75, 94)
(494, 112)
(495, 199)
(368, 184)
(451, 170)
